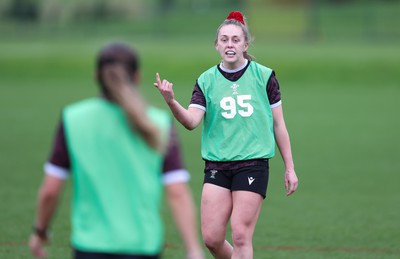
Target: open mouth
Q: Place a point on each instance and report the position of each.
(230, 53)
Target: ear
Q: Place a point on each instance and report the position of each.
(246, 46)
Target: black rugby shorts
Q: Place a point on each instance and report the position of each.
(95, 255)
(251, 178)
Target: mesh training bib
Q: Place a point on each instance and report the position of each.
(238, 123)
(116, 179)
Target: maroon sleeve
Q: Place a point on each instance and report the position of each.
(173, 158)
(59, 154)
(198, 96)
(273, 91)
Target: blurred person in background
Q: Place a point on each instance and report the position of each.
(120, 153)
(240, 102)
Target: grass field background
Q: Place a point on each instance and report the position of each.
(341, 104)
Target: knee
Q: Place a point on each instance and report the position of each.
(240, 238)
(212, 242)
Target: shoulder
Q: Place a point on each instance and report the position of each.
(89, 102)
(209, 72)
(87, 107)
(157, 111)
(159, 116)
(260, 67)
(261, 72)
(84, 102)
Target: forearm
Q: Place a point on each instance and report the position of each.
(47, 201)
(125, 94)
(135, 108)
(146, 128)
(283, 142)
(182, 115)
(184, 213)
(47, 205)
(189, 118)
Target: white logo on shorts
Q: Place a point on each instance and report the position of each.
(213, 172)
(251, 180)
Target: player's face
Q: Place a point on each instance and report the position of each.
(231, 44)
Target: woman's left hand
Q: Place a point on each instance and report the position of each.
(291, 181)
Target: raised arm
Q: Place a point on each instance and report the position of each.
(189, 118)
(283, 142)
(134, 105)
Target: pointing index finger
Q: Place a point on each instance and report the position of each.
(158, 78)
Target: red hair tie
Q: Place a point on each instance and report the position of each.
(236, 16)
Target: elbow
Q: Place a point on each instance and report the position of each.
(191, 119)
(189, 127)
(49, 195)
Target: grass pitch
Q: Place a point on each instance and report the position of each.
(341, 108)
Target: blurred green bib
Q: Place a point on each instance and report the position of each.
(116, 180)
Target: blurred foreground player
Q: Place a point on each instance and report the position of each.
(120, 152)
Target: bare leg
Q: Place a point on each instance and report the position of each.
(216, 208)
(245, 212)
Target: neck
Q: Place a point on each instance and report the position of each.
(233, 67)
